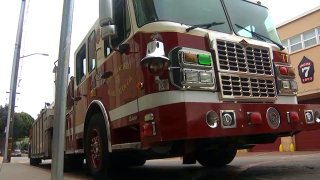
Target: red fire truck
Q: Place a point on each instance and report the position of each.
(168, 78)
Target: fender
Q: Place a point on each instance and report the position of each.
(95, 107)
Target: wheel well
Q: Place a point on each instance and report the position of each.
(93, 109)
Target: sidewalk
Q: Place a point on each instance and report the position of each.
(23, 171)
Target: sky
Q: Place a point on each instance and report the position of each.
(42, 33)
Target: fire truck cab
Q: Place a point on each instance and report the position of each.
(168, 78)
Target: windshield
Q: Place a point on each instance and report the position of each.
(253, 17)
(189, 12)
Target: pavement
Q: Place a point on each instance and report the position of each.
(298, 165)
(19, 168)
(9, 171)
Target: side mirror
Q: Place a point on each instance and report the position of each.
(105, 12)
(108, 29)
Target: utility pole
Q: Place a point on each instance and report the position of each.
(61, 92)
(13, 87)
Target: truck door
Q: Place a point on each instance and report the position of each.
(122, 92)
(80, 95)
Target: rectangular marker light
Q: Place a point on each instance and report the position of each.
(204, 59)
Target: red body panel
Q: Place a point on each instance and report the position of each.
(187, 121)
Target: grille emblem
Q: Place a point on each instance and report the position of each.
(244, 43)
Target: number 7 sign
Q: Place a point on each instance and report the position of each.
(306, 70)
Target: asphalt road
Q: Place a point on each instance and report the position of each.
(256, 166)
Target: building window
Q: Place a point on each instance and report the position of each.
(309, 38)
(318, 29)
(295, 43)
(301, 41)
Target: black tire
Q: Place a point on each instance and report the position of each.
(35, 161)
(127, 160)
(137, 162)
(96, 146)
(216, 157)
(73, 162)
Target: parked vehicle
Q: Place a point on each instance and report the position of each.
(16, 153)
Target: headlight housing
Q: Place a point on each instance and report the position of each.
(286, 83)
(285, 74)
(192, 69)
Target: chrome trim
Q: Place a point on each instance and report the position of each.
(247, 88)
(135, 145)
(234, 116)
(288, 117)
(271, 114)
(311, 122)
(180, 66)
(245, 73)
(216, 116)
(106, 119)
(235, 57)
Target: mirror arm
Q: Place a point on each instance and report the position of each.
(121, 50)
(110, 44)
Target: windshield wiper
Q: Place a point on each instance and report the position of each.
(261, 37)
(206, 25)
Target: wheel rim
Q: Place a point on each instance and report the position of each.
(95, 149)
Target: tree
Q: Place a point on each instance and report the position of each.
(3, 119)
(22, 123)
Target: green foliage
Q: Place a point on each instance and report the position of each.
(22, 143)
(3, 119)
(21, 126)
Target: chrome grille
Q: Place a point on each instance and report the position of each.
(251, 59)
(245, 72)
(234, 86)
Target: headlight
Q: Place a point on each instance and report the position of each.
(285, 84)
(294, 85)
(206, 77)
(287, 87)
(191, 76)
(197, 78)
